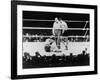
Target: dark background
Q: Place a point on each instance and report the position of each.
(49, 24)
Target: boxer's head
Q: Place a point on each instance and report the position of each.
(60, 19)
(56, 19)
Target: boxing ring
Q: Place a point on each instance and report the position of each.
(73, 47)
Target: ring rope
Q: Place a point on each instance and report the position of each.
(85, 27)
(51, 28)
(85, 24)
(53, 20)
(85, 32)
(30, 36)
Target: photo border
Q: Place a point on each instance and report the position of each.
(14, 38)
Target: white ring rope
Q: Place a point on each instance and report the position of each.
(85, 24)
(85, 32)
(85, 27)
(33, 36)
(51, 28)
(53, 20)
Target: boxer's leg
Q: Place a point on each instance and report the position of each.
(56, 36)
(66, 45)
(58, 40)
(65, 42)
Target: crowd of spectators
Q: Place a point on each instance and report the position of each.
(39, 61)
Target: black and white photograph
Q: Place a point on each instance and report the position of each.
(55, 38)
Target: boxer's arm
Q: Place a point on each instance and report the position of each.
(65, 26)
